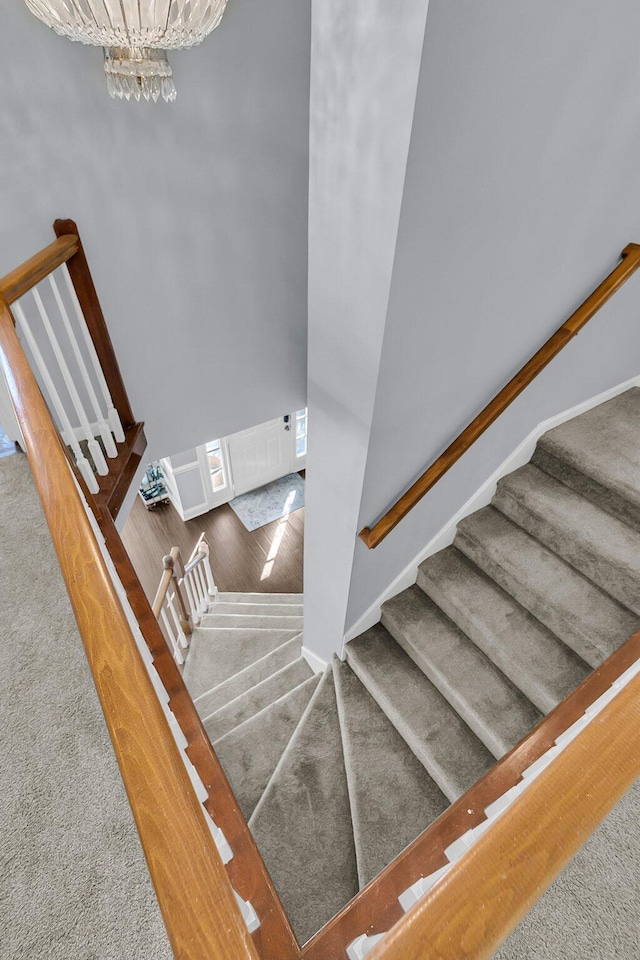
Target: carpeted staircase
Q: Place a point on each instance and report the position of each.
(337, 774)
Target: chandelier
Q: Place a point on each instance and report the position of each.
(136, 35)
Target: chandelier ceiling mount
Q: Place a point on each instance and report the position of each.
(135, 35)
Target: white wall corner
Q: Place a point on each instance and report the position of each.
(317, 664)
(481, 498)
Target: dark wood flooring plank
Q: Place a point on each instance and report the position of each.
(239, 558)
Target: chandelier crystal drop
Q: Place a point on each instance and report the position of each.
(135, 35)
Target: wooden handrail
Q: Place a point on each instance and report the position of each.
(196, 899)
(630, 262)
(491, 888)
(15, 284)
(499, 879)
(92, 311)
(376, 908)
(274, 939)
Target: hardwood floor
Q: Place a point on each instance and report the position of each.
(267, 560)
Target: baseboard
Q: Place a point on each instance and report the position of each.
(317, 664)
(481, 498)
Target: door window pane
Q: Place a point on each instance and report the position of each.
(216, 465)
(301, 432)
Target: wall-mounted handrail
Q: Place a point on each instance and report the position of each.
(630, 262)
(195, 896)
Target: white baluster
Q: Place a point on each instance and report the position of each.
(177, 652)
(112, 413)
(190, 594)
(362, 946)
(94, 447)
(203, 588)
(182, 640)
(212, 590)
(103, 426)
(83, 464)
(248, 913)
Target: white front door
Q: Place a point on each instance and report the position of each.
(260, 454)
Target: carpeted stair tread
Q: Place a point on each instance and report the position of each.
(207, 703)
(393, 798)
(598, 455)
(258, 609)
(250, 753)
(450, 752)
(302, 824)
(216, 654)
(295, 598)
(235, 621)
(539, 664)
(600, 546)
(256, 699)
(492, 707)
(584, 617)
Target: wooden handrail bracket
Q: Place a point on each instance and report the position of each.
(15, 284)
(628, 265)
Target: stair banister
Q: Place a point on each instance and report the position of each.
(202, 917)
(630, 262)
(377, 909)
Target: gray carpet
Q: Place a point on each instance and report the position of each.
(338, 775)
(250, 753)
(73, 879)
(380, 765)
(302, 823)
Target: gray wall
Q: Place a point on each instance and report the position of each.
(194, 215)
(364, 69)
(522, 187)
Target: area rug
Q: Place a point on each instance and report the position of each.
(269, 503)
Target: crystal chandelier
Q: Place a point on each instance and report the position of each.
(135, 35)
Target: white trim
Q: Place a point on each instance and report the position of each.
(317, 664)
(481, 498)
(196, 511)
(186, 468)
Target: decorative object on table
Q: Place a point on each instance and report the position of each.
(271, 502)
(152, 489)
(135, 37)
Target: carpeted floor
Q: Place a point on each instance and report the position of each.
(73, 879)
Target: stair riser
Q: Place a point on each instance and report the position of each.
(234, 622)
(295, 598)
(257, 609)
(603, 497)
(540, 696)
(451, 779)
(256, 699)
(455, 694)
(615, 579)
(225, 692)
(535, 603)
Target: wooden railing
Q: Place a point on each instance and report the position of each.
(62, 324)
(198, 894)
(464, 916)
(630, 262)
(377, 909)
(184, 595)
